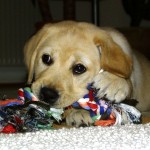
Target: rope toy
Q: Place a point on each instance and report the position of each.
(26, 113)
(24, 95)
(105, 113)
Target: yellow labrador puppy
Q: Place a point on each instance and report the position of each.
(64, 57)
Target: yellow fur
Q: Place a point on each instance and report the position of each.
(69, 43)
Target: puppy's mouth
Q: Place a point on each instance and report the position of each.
(61, 99)
(56, 99)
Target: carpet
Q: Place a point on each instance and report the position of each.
(130, 137)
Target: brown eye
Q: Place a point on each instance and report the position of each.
(46, 58)
(79, 69)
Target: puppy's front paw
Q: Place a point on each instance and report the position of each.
(112, 87)
(78, 118)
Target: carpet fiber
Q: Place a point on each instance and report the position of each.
(136, 137)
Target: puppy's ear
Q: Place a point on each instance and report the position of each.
(31, 48)
(113, 58)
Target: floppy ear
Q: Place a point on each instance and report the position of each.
(30, 50)
(113, 58)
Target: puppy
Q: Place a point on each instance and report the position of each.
(65, 57)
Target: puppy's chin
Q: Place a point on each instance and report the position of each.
(66, 96)
(67, 100)
(63, 103)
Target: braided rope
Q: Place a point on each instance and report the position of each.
(115, 112)
(32, 117)
(26, 93)
(96, 107)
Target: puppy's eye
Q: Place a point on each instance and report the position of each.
(79, 69)
(46, 58)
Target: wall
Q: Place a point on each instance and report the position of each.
(17, 23)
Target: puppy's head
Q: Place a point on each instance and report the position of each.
(66, 56)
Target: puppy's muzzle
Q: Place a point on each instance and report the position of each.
(49, 95)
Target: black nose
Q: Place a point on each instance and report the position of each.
(49, 95)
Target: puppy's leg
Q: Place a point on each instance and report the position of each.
(78, 117)
(112, 87)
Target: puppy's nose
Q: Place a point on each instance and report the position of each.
(49, 95)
